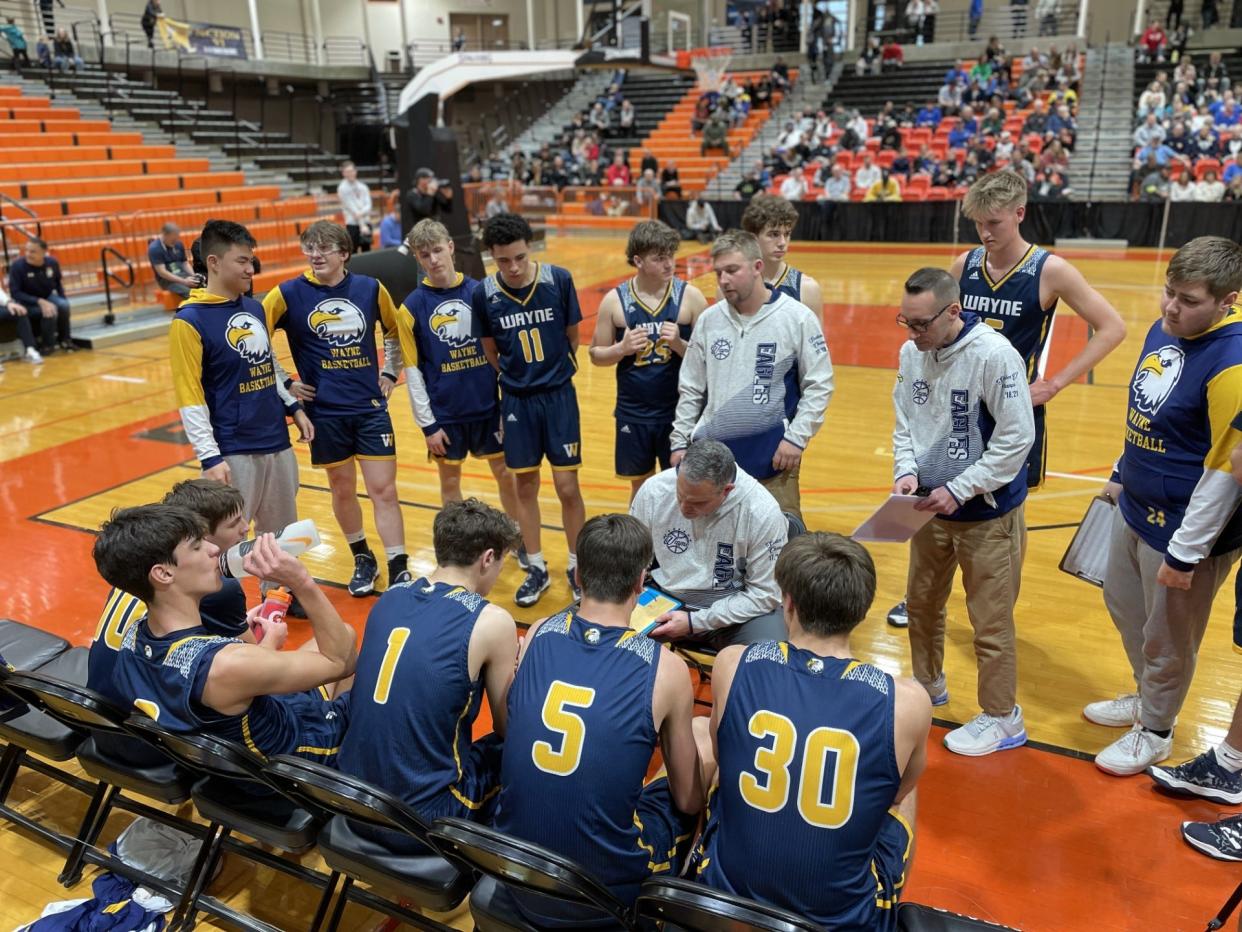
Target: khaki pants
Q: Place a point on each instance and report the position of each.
(990, 554)
(784, 488)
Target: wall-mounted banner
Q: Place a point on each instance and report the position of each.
(203, 38)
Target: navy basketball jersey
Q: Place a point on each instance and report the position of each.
(529, 328)
(580, 737)
(413, 701)
(331, 330)
(807, 776)
(790, 283)
(647, 381)
(1011, 305)
(437, 336)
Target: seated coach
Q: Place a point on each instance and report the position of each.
(716, 533)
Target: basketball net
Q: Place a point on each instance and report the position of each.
(711, 69)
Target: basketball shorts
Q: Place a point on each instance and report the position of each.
(891, 861)
(640, 447)
(321, 724)
(1037, 459)
(539, 425)
(482, 439)
(339, 439)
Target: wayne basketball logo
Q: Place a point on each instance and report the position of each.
(722, 348)
(921, 391)
(249, 337)
(451, 322)
(677, 540)
(1156, 378)
(338, 322)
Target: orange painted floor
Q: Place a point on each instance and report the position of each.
(1035, 838)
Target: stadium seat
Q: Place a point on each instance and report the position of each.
(913, 917)
(24, 647)
(427, 880)
(1203, 166)
(697, 908)
(36, 731)
(518, 863)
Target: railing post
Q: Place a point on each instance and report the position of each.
(236, 125)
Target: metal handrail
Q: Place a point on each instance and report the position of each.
(6, 225)
(109, 277)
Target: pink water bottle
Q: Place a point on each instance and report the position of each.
(274, 607)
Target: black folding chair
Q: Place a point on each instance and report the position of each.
(25, 647)
(696, 908)
(233, 796)
(423, 877)
(914, 917)
(507, 860)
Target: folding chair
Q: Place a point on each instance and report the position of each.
(697, 908)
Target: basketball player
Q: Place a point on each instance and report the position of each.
(329, 315)
(642, 329)
(589, 704)
(232, 405)
(835, 844)
(527, 316)
(431, 648)
(171, 668)
(772, 219)
(1015, 286)
(451, 384)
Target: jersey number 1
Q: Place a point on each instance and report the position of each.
(569, 725)
(532, 345)
(388, 666)
(769, 792)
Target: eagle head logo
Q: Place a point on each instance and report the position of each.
(451, 321)
(249, 337)
(337, 322)
(1156, 376)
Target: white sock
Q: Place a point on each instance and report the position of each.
(1228, 757)
(355, 537)
(536, 559)
(573, 562)
(391, 552)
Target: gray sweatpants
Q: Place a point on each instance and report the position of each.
(769, 627)
(1160, 628)
(269, 484)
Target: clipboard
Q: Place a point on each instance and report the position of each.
(651, 604)
(894, 522)
(1087, 555)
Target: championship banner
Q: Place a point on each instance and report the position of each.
(203, 38)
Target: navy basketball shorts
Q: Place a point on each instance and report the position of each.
(890, 863)
(321, 723)
(1037, 459)
(539, 425)
(342, 438)
(640, 446)
(482, 439)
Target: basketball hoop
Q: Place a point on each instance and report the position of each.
(711, 67)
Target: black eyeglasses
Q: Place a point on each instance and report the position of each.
(920, 326)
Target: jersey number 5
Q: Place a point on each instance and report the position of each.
(769, 791)
(569, 725)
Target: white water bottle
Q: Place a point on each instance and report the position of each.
(293, 540)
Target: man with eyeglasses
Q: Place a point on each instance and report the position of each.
(964, 427)
(329, 315)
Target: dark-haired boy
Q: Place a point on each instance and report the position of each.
(527, 317)
(818, 754)
(173, 669)
(432, 647)
(642, 328)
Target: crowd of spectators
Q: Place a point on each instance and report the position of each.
(949, 141)
(1188, 137)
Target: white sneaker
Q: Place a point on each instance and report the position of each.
(937, 690)
(1134, 752)
(985, 734)
(1121, 712)
(33, 357)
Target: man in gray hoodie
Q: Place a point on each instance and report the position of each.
(964, 426)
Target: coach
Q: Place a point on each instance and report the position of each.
(716, 533)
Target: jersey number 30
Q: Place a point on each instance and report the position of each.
(768, 790)
(569, 725)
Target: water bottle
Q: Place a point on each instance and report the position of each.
(293, 540)
(274, 607)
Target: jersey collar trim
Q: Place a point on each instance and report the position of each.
(500, 283)
(1008, 275)
(652, 311)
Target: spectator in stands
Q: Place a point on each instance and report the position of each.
(762, 95)
(892, 56)
(1152, 43)
(715, 134)
(793, 187)
(890, 137)
(65, 54)
(356, 206)
(837, 187)
(35, 282)
(600, 119)
(929, 115)
(1209, 190)
(670, 180)
(1203, 145)
(1150, 131)
(1046, 16)
(1037, 120)
(43, 51)
(780, 74)
(167, 256)
(1209, 14)
(625, 118)
(960, 136)
(17, 42)
(1054, 158)
(749, 186)
(949, 98)
(867, 174)
(1177, 42)
(701, 223)
(1152, 101)
(649, 161)
(1231, 147)
(1215, 73)
(556, 175)
(974, 16)
(1154, 188)
(390, 223)
(16, 312)
(432, 199)
(1233, 193)
(151, 16)
(618, 174)
(869, 59)
(1183, 188)
(647, 189)
(1050, 187)
(886, 189)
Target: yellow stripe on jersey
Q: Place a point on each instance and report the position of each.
(274, 308)
(185, 354)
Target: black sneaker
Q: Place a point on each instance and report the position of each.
(1221, 840)
(1200, 776)
(534, 586)
(398, 572)
(366, 572)
(897, 616)
(522, 558)
(68, 346)
(573, 586)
